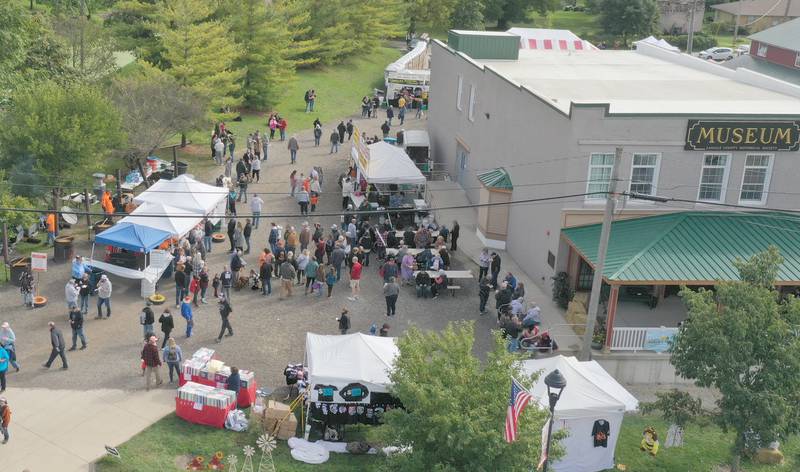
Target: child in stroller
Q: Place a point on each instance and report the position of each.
(254, 280)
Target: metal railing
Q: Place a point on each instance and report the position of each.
(635, 339)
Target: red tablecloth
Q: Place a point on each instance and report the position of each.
(205, 415)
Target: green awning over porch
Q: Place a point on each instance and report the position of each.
(690, 247)
(496, 179)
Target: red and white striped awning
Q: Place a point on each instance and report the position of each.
(550, 40)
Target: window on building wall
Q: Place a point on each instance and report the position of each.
(600, 167)
(644, 173)
(762, 50)
(471, 103)
(714, 177)
(755, 180)
(797, 60)
(460, 89)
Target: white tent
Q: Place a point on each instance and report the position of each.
(339, 361)
(187, 193)
(592, 398)
(658, 42)
(176, 221)
(388, 164)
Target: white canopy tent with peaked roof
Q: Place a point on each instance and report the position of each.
(592, 397)
(176, 221)
(186, 193)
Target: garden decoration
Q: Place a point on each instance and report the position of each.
(267, 444)
(216, 461)
(649, 441)
(196, 464)
(248, 458)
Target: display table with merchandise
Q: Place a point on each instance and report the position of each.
(205, 368)
(201, 404)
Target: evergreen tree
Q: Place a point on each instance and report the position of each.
(467, 14)
(131, 24)
(304, 47)
(262, 33)
(199, 54)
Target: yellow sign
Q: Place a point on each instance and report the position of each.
(362, 150)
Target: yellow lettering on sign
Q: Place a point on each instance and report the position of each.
(706, 133)
(737, 136)
(723, 139)
(784, 135)
(763, 139)
(751, 136)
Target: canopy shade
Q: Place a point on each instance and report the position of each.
(186, 193)
(389, 165)
(658, 42)
(132, 237)
(176, 221)
(352, 358)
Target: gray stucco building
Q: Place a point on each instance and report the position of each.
(552, 119)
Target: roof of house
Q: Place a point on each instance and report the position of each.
(761, 66)
(690, 247)
(496, 178)
(785, 35)
(641, 82)
(760, 7)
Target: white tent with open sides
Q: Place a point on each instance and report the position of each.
(187, 193)
(388, 164)
(591, 408)
(338, 362)
(176, 221)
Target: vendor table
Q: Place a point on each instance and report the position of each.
(399, 234)
(204, 405)
(393, 252)
(451, 274)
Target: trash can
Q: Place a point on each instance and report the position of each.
(167, 174)
(18, 266)
(63, 249)
(182, 168)
(102, 226)
(94, 277)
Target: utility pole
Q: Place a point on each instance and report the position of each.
(736, 24)
(690, 39)
(597, 280)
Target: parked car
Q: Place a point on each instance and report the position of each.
(742, 49)
(717, 54)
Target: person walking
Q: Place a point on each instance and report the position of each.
(26, 288)
(401, 115)
(495, 268)
(391, 291)
(173, 356)
(225, 311)
(350, 129)
(287, 273)
(76, 323)
(104, 296)
(255, 169)
(282, 125)
(317, 134)
(330, 279)
(246, 233)
(5, 359)
(355, 279)
(147, 319)
(344, 321)
(265, 273)
(71, 292)
(208, 232)
(334, 142)
(256, 205)
(58, 347)
(8, 342)
(84, 290)
(186, 313)
(293, 146)
(265, 146)
(389, 115)
(385, 128)
(180, 284)
(5, 419)
(152, 363)
(302, 200)
(226, 281)
(238, 238)
(311, 273)
(167, 325)
(454, 235)
(243, 181)
(484, 259)
(484, 289)
(342, 129)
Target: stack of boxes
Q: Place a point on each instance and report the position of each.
(205, 405)
(278, 420)
(205, 368)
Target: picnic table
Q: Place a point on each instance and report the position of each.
(413, 251)
(399, 234)
(451, 275)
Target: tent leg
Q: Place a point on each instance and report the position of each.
(306, 425)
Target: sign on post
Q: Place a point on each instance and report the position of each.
(39, 261)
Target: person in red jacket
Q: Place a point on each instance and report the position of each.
(5, 419)
(355, 279)
(152, 362)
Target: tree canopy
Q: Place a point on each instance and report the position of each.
(455, 405)
(742, 339)
(629, 17)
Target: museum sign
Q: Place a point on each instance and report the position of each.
(704, 135)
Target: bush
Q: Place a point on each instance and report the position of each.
(701, 41)
(562, 293)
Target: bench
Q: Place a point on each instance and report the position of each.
(453, 289)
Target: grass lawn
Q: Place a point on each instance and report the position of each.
(159, 447)
(583, 24)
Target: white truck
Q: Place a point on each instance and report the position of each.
(411, 72)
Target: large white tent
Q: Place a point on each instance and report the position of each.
(187, 193)
(657, 42)
(388, 164)
(174, 220)
(592, 399)
(339, 361)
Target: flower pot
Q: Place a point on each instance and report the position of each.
(218, 237)
(39, 301)
(597, 346)
(157, 299)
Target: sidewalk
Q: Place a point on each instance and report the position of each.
(66, 430)
(447, 194)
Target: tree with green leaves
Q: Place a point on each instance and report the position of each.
(131, 23)
(153, 108)
(199, 53)
(467, 14)
(430, 13)
(629, 17)
(263, 34)
(65, 131)
(506, 11)
(743, 339)
(90, 47)
(678, 408)
(455, 405)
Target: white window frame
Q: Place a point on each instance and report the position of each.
(589, 182)
(797, 60)
(656, 169)
(725, 176)
(471, 113)
(767, 178)
(460, 90)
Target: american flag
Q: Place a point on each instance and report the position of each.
(518, 401)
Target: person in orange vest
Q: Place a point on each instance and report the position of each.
(108, 207)
(51, 228)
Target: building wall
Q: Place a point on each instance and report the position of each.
(752, 23)
(774, 54)
(547, 154)
(676, 14)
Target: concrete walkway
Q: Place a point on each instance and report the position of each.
(66, 430)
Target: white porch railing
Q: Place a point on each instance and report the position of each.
(641, 339)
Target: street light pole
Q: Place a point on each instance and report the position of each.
(555, 386)
(690, 39)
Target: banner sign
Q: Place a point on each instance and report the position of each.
(39, 261)
(659, 339)
(709, 135)
(361, 149)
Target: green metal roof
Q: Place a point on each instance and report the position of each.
(496, 178)
(690, 246)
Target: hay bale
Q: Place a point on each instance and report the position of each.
(582, 298)
(768, 456)
(576, 316)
